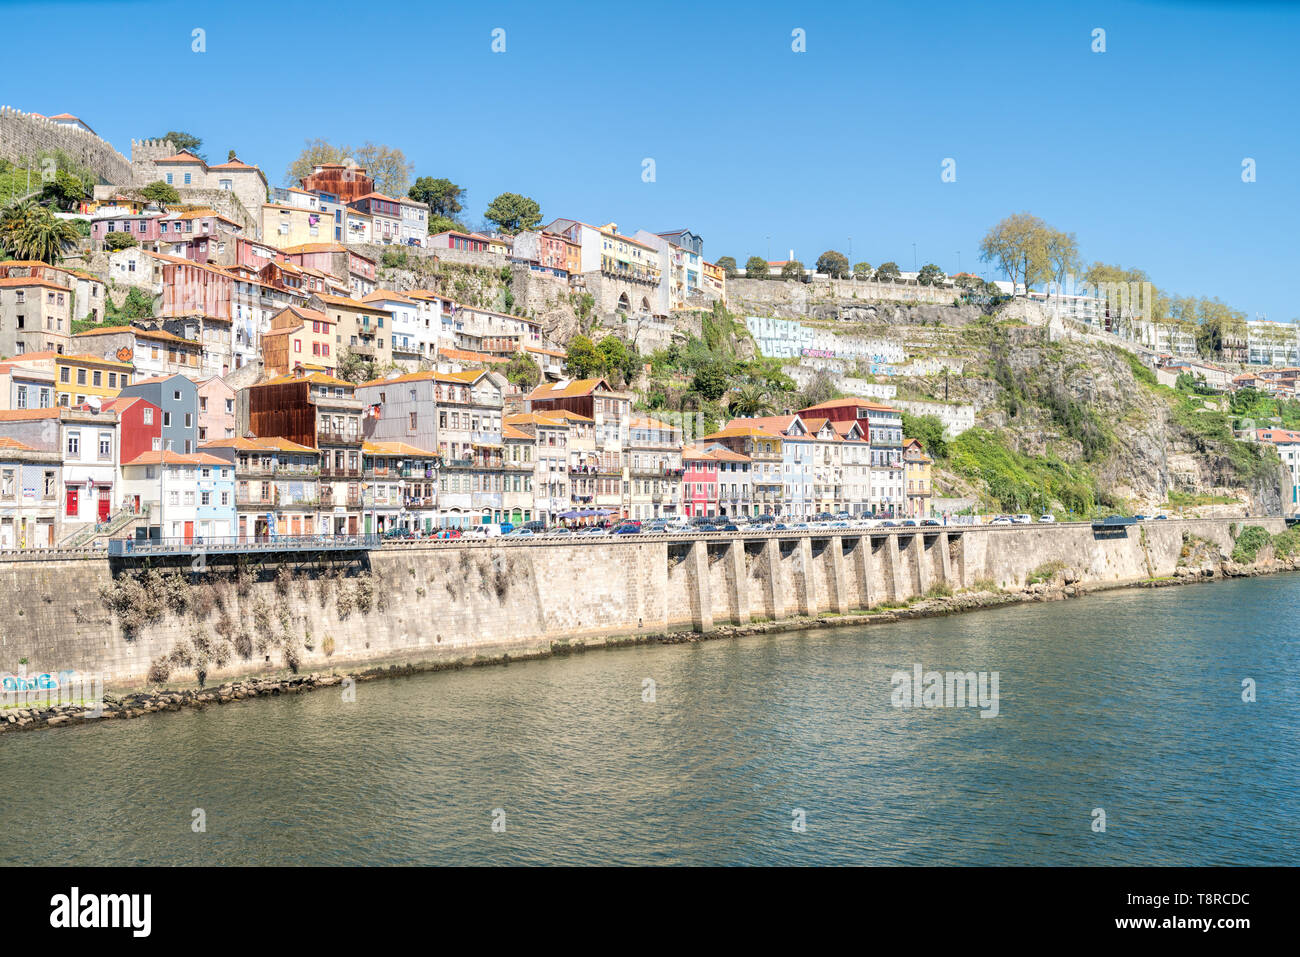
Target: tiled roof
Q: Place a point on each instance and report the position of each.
(20, 415)
(184, 156)
(272, 443)
(567, 389)
(165, 457)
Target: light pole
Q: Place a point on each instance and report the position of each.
(913, 257)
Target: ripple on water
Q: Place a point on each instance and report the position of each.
(1128, 701)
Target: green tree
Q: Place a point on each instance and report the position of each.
(710, 381)
(231, 156)
(40, 235)
(355, 367)
(820, 388)
(66, 190)
(386, 165)
(834, 264)
(749, 400)
(522, 371)
(862, 271)
(728, 266)
(930, 431)
(441, 194)
(584, 362)
(618, 361)
(441, 224)
(314, 153)
(513, 213)
(794, 269)
(1029, 251)
(888, 272)
(930, 275)
(185, 141)
(756, 268)
(115, 241)
(161, 194)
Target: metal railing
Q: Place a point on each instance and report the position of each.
(209, 545)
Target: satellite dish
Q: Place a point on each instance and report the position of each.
(94, 402)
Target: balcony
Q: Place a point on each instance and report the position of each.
(333, 473)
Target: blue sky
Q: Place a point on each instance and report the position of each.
(1137, 150)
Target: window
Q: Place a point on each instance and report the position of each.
(189, 420)
(187, 179)
(22, 397)
(205, 498)
(167, 420)
(97, 378)
(148, 416)
(74, 442)
(81, 377)
(105, 445)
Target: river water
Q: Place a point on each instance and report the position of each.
(1128, 702)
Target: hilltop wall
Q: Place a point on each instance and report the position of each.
(25, 136)
(465, 601)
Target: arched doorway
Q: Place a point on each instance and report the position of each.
(624, 304)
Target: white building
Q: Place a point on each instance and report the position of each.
(187, 496)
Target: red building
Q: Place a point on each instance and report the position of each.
(345, 182)
(140, 426)
(699, 482)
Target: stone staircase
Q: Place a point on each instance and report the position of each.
(101, 530)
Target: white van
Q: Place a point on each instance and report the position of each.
(483, 531)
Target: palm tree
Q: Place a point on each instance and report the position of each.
(750, 400)
(12, 221)
(45, 237)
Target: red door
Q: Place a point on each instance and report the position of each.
(72, 502)
(189, 531)
(103, 506)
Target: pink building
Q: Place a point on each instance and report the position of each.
(699, 482)
(142, 227)
(216, 410)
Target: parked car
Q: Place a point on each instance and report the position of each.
(931, 521)
(765, 519)
(483, 531)
(908, 523)
(1001, 520)
(594, 532)
(520, 532)
(1023, 519)
(888, 524)
(627, 528)
(1161, 518)
(1047, 518)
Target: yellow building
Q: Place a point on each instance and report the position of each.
(78, 376)
(917, 476)
(285, 226)
(359, 327)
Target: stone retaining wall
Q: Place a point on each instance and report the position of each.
(466, 600)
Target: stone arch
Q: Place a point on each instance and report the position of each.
(624, 304)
